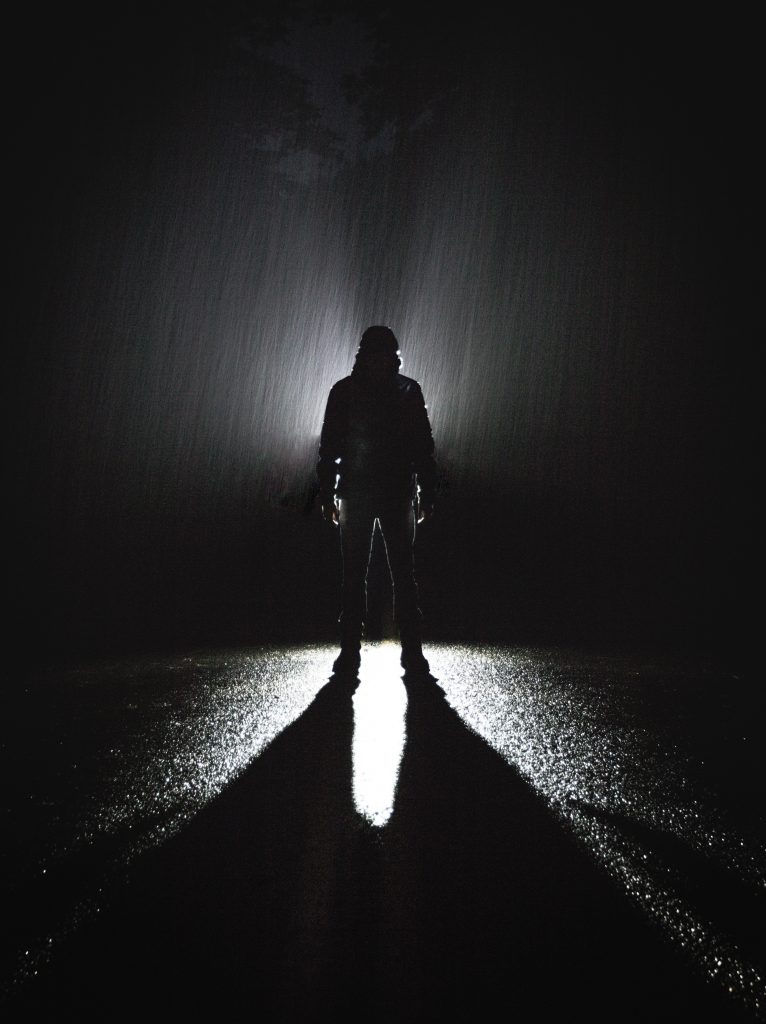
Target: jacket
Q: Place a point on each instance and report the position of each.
(376, 438)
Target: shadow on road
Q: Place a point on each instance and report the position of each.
(279, 900)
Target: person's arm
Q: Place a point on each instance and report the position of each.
(423, 460)
(330, 449)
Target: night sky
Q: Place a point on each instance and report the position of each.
(556, 214)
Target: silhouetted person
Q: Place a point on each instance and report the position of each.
(376, 462)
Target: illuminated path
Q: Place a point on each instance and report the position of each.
(229, 830)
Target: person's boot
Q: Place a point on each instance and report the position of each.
(413, 660)
(348, 661)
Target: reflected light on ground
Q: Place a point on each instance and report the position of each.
(380, 704)
(574, 728)
(192, 725)
(185, 727)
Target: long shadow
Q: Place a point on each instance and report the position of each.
(492, 899)
(279, 902)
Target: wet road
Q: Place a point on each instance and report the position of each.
(230, 831)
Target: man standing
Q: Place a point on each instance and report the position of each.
(376, 462)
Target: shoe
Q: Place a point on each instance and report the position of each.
(414, 661)
(347, 662)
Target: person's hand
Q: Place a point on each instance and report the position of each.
(425, 511)
(330, 512)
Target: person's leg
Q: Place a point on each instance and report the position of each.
(397, 524)
(356, 520)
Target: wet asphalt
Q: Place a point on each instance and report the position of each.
(529, 833)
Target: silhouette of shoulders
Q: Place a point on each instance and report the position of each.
(405, 385)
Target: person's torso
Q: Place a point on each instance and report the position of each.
(376, 450)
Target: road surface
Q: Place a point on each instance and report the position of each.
(233, 831)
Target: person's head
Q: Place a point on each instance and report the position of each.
(378, 353)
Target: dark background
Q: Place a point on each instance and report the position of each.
(557, 215)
